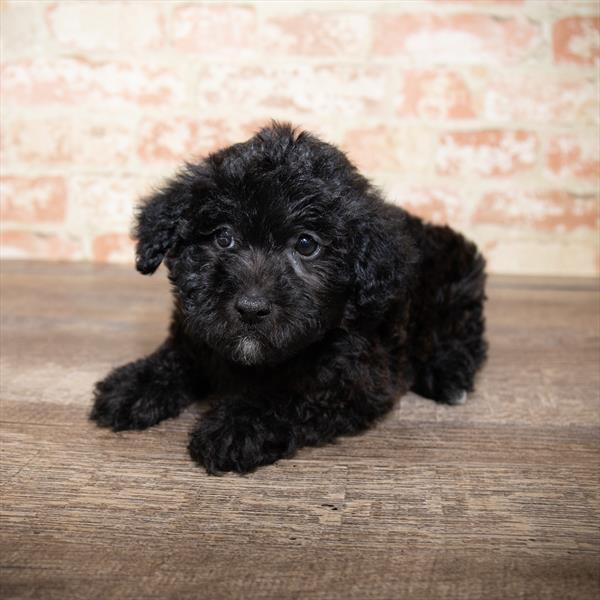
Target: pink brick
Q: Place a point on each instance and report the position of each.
(38, 141)
(5, 147)
(486, 153)
(508, 97)
(100, 143)
(555, 211)
(33, 199)
(548, 254)
(572, 155)
(219, 28)
(435, 205)
(21, 28)
(455, 38)
(74, 81)
(435, 94)
(30, 245)
(316, 34)
(105, 202)
(385, 148)
(61, 140)
(576, 40)
(372, 149)
(113, 247)
(90, 25)
(324, 90)
(180, 138)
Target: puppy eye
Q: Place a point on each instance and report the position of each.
(307, 246)
(224, 238)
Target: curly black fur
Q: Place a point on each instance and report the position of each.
(295, 351)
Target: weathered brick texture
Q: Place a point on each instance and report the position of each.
(479, 113)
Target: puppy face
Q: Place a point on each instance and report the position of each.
(261, 270)
(261, 242)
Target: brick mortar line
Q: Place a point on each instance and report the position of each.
(171, 57)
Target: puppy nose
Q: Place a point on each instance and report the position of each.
(252, 307)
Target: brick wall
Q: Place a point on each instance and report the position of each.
(481, 113)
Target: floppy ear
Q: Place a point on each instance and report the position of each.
(383, 261)
(158, 221)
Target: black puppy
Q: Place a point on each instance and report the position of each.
(304, 304)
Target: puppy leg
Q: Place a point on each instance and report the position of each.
(447, 374)
(241, 434)
(447, 344)
(143, 393)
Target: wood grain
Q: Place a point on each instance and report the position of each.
(499, 498)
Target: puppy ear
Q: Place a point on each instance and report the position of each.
(383, 262)
(158, 220)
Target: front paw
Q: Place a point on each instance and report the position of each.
(129, 399)
(226, 441)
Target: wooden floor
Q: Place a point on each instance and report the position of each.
(497, 498)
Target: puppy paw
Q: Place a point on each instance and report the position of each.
(224, 442)
(129, 398)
